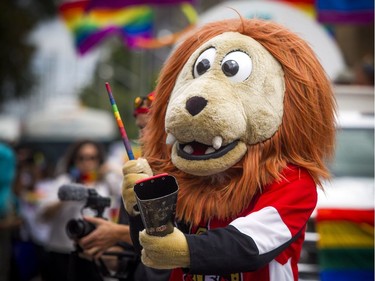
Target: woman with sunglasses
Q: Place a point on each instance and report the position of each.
(83, 164)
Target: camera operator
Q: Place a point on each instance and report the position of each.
(111, 243)
(107, 234)
(82, 164)
(111, 237)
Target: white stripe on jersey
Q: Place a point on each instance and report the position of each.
(265, 227)
(279, 272)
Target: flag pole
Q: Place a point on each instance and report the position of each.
(120, 125)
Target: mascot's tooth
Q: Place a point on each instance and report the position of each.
(217, 142)
(188, 149)
(170, 139)
(209, 150)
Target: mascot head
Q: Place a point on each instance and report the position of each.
(236, 102)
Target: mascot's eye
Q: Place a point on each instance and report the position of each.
(237, 66)
(204, 62)
(230, 68)
(203, 66)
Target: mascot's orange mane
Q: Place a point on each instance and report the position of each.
(305, 138)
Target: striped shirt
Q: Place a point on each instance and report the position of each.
(263, 243)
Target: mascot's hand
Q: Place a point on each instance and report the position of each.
(133, 171)
(170, 251)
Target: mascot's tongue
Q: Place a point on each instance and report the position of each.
(199, 148)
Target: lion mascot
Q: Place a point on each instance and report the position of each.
(244, 119)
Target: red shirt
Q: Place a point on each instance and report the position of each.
(263, 243)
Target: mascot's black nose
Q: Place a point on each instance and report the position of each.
(195, 105)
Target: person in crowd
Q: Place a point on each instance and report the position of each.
(8, 216)
(29, 237)
(112, 237)
(84, 164)
(364, 71)
(360, 74)
(142, 107)
(117, 154)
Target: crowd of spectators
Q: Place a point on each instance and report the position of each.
(35, 244)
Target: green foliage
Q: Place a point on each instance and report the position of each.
(125, 70)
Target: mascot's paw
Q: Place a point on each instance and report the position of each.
(170, 251)
(133, 171)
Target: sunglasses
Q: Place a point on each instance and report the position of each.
(139, 101)
(83, 158)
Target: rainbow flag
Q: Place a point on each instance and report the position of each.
(117, 4)
(346, 244)
(306, 6)
(91, 26)
(345, 11)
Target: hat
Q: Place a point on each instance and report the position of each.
(142, 104)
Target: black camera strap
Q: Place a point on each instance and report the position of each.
(82, 269)
(127, 264)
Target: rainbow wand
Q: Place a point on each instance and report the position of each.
(120, 125)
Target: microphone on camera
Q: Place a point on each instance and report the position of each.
(73, 192)
(78, 228)
(90, 197)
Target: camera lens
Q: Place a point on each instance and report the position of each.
(78, 228)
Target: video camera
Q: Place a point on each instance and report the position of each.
(78, 228)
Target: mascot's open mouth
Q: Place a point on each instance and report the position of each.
(199, 151)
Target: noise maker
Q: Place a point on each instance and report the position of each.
(156, 199)
(120, 125)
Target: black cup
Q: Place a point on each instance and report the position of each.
(156, 199)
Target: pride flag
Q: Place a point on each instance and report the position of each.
(345, 11)
(90, 21)
(346, 244)
(90, 26)
(306, 6)
(116, 4)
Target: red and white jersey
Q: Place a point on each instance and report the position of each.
(263, 243)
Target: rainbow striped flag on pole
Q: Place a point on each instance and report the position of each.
(90, 25)
(122, 3)
(90, 21)
(345, 11)
(346, 244)
(307, 6)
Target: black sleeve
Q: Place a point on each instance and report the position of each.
(141, 272)
(136, 225)
(145, 273)
(123, 216)
(229, 251)
(124, 220)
